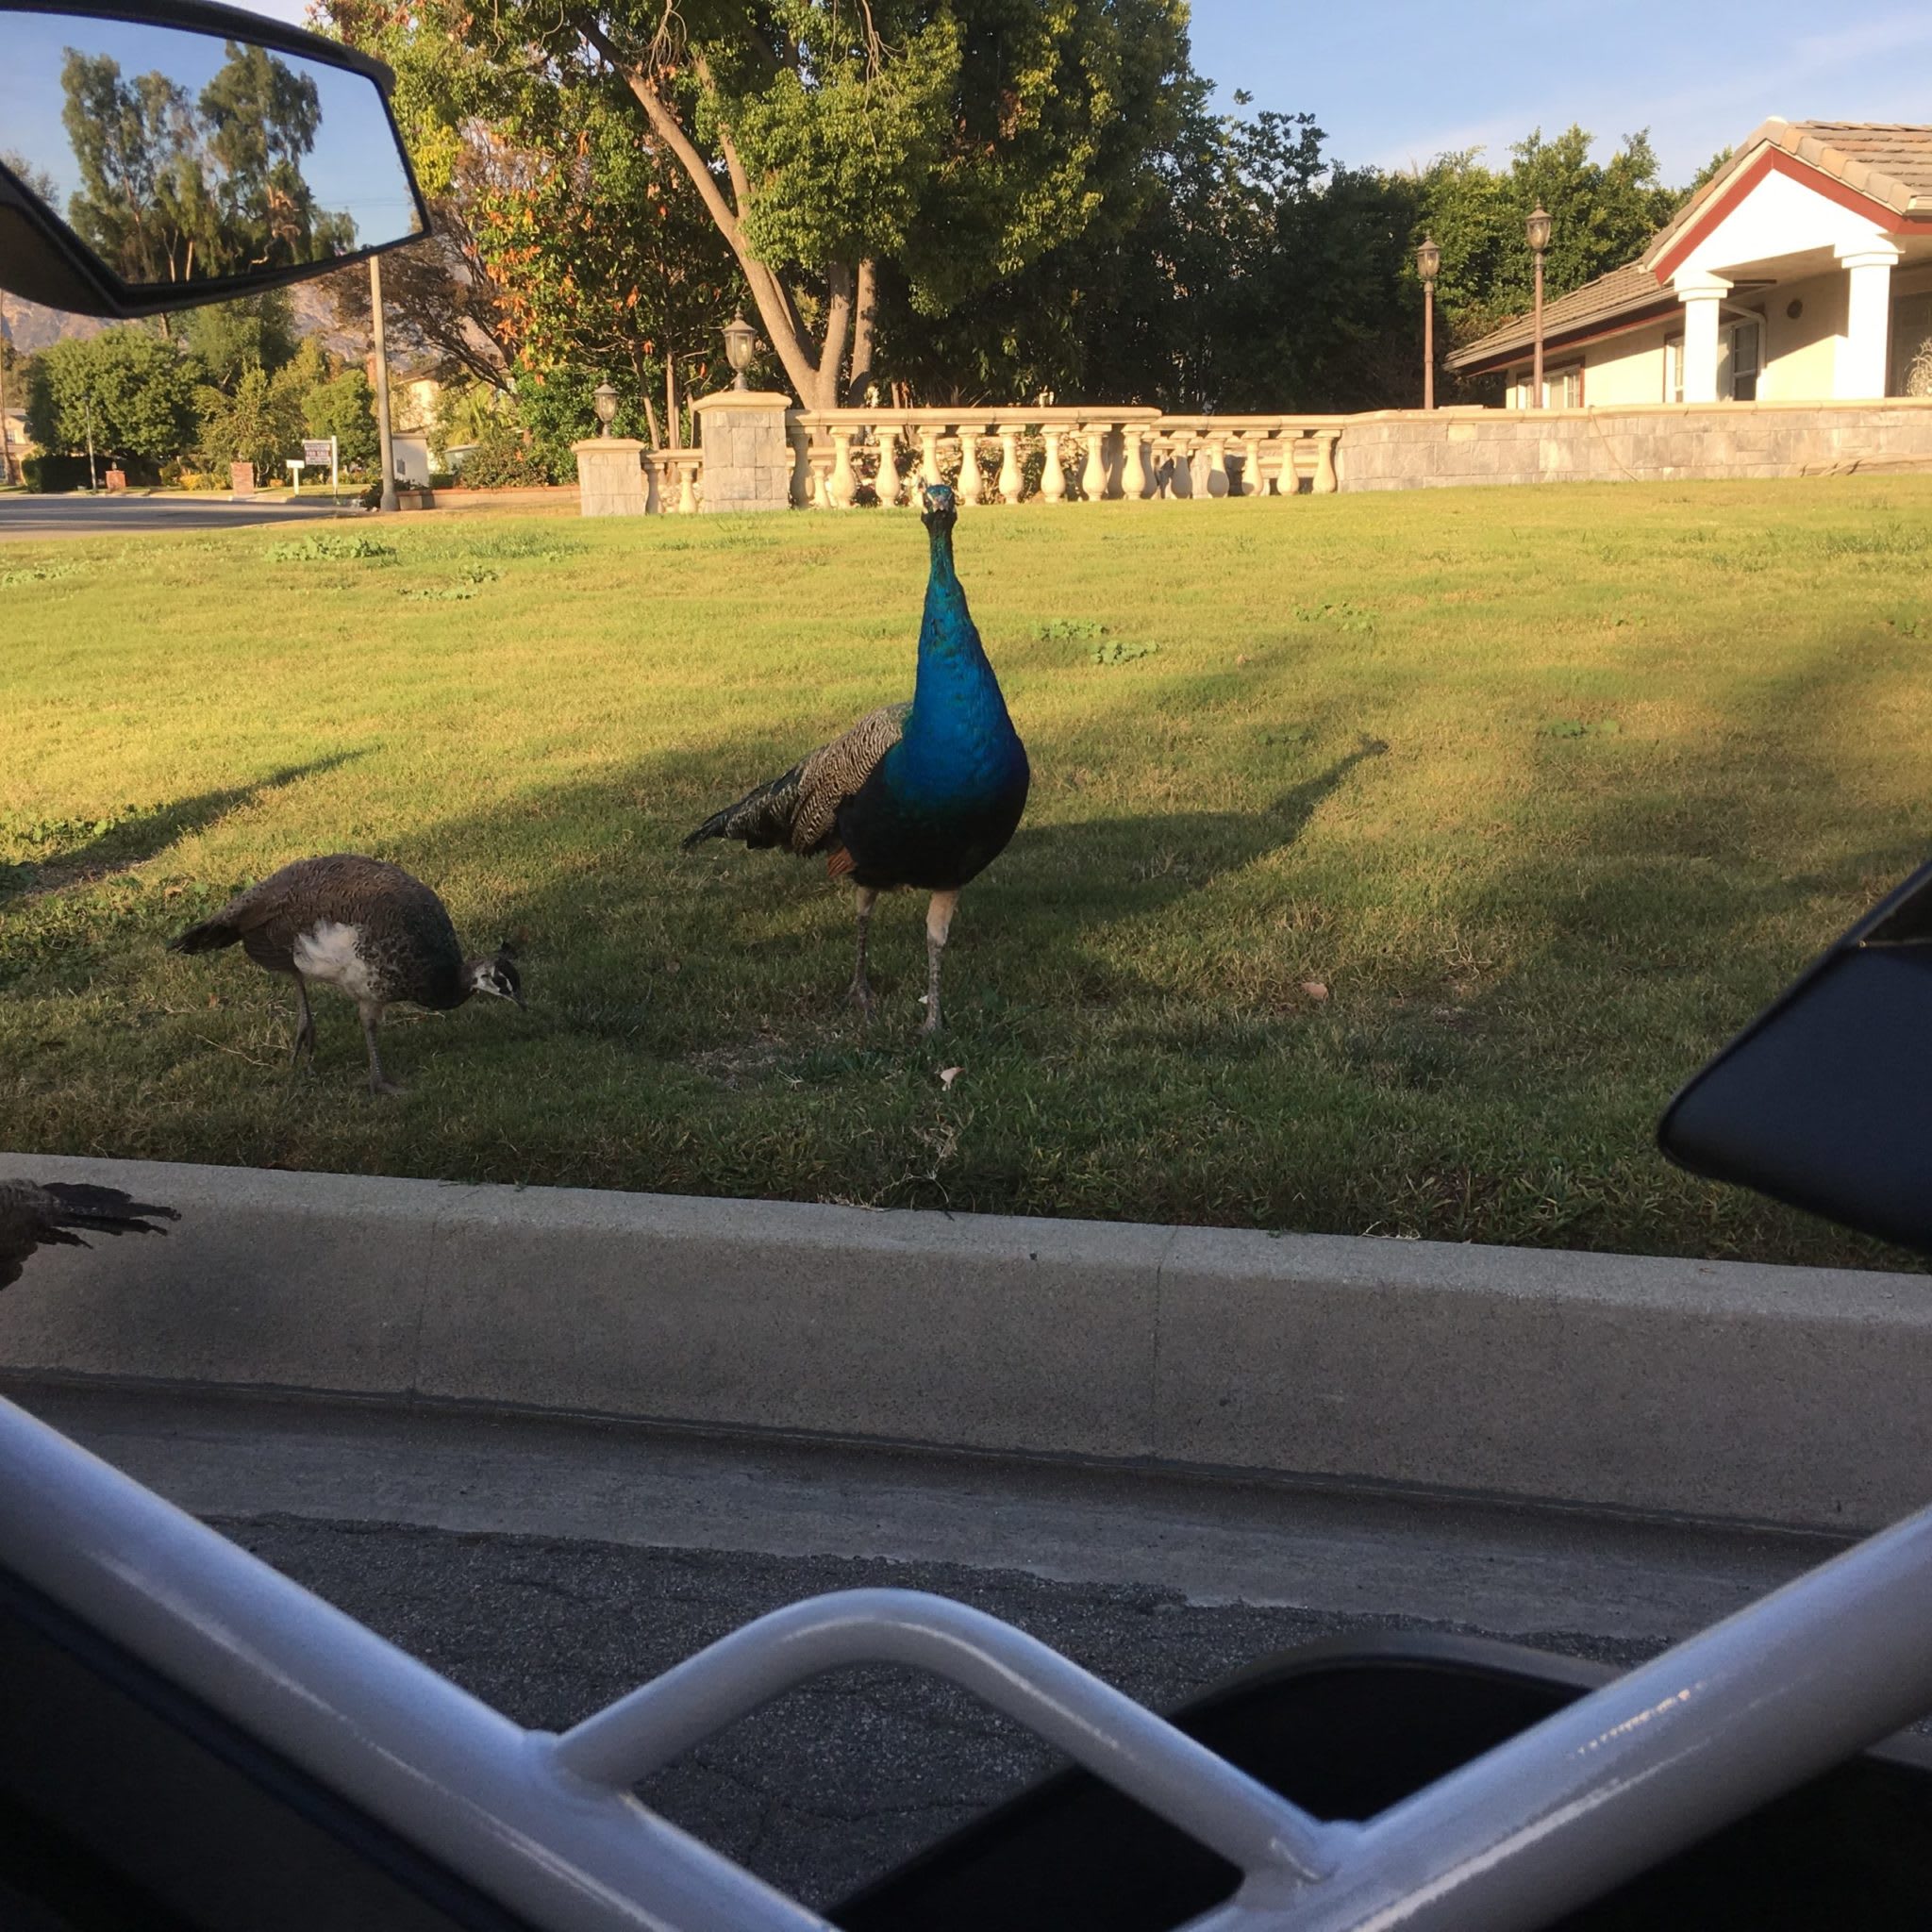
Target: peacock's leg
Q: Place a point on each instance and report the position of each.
(378, 1081)
(860, 993)
(305, 1031)
(938, 922)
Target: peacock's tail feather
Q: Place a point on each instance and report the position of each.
(799, 810)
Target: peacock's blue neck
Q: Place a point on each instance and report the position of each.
(959, 735)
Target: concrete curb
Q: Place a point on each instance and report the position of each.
(1783, 1395)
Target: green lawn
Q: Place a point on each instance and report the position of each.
(1403, 856)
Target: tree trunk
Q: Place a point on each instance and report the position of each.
(864, 321)
(839, 286)
(811, 369)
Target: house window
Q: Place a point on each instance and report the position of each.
(1744, 339)
(1673, 369)
(1563, 388)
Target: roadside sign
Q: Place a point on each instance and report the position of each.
(317, 450)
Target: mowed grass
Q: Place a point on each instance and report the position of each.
(1390, 859)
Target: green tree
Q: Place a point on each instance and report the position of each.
(951, 144)
(1600, 216)
(260, 423)
(259, 118)
(126, 386)
(226, 339)
(344, 407)
(142, 204)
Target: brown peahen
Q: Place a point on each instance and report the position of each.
(361, 925)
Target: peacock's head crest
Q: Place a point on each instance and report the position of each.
(942, 511)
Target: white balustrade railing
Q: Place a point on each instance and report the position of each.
(1088, 453)
(1040, 455)
(986, 454)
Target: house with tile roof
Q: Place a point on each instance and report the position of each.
(1800, 272)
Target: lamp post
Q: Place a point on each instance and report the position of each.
(1429, 264)
(604, 398)
(741, 344)
(1539, 240)
(385, 442)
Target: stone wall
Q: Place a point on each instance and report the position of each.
(1409, 450)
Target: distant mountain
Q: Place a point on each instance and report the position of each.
(30, 327)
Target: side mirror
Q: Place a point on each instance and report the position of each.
(187, 156)
(1824, 1101)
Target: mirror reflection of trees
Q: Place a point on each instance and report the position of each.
(178, 187)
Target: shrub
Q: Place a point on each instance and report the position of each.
(49, 474)
(501, 459)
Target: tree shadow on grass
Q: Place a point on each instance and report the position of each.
(107, 846)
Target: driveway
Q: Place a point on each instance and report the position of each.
(38, 517)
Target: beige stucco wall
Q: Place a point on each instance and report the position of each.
(1801, 352)
(1626, 370)
(1409, 450)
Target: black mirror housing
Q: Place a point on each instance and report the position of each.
(1824, 1101)
(240, 141)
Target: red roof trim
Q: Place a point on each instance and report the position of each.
(1775, 160)
(1503, 359)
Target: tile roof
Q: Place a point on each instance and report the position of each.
(1625, 291)
(1889, 161)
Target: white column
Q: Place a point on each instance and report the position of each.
(1700, 295)
(968, 492)
(929, 454)
(1093, 473)
(1052, 479)
(1867, 341)
(843, 484)
(1133, 469)
(1010, 473)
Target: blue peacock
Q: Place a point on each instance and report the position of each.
(925, 794)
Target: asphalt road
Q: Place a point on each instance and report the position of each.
(834, 1783)
(37, 518)
(550, 1565)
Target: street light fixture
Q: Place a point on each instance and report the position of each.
(1538, 228)
(1429, 264)
(741, 344)
(604, 400)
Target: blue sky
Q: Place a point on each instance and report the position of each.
(1395, 82)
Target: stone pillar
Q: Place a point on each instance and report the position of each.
(1700, 295)
(748, 455)
(610, 477)
(1133, 469)
(1864, 348)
